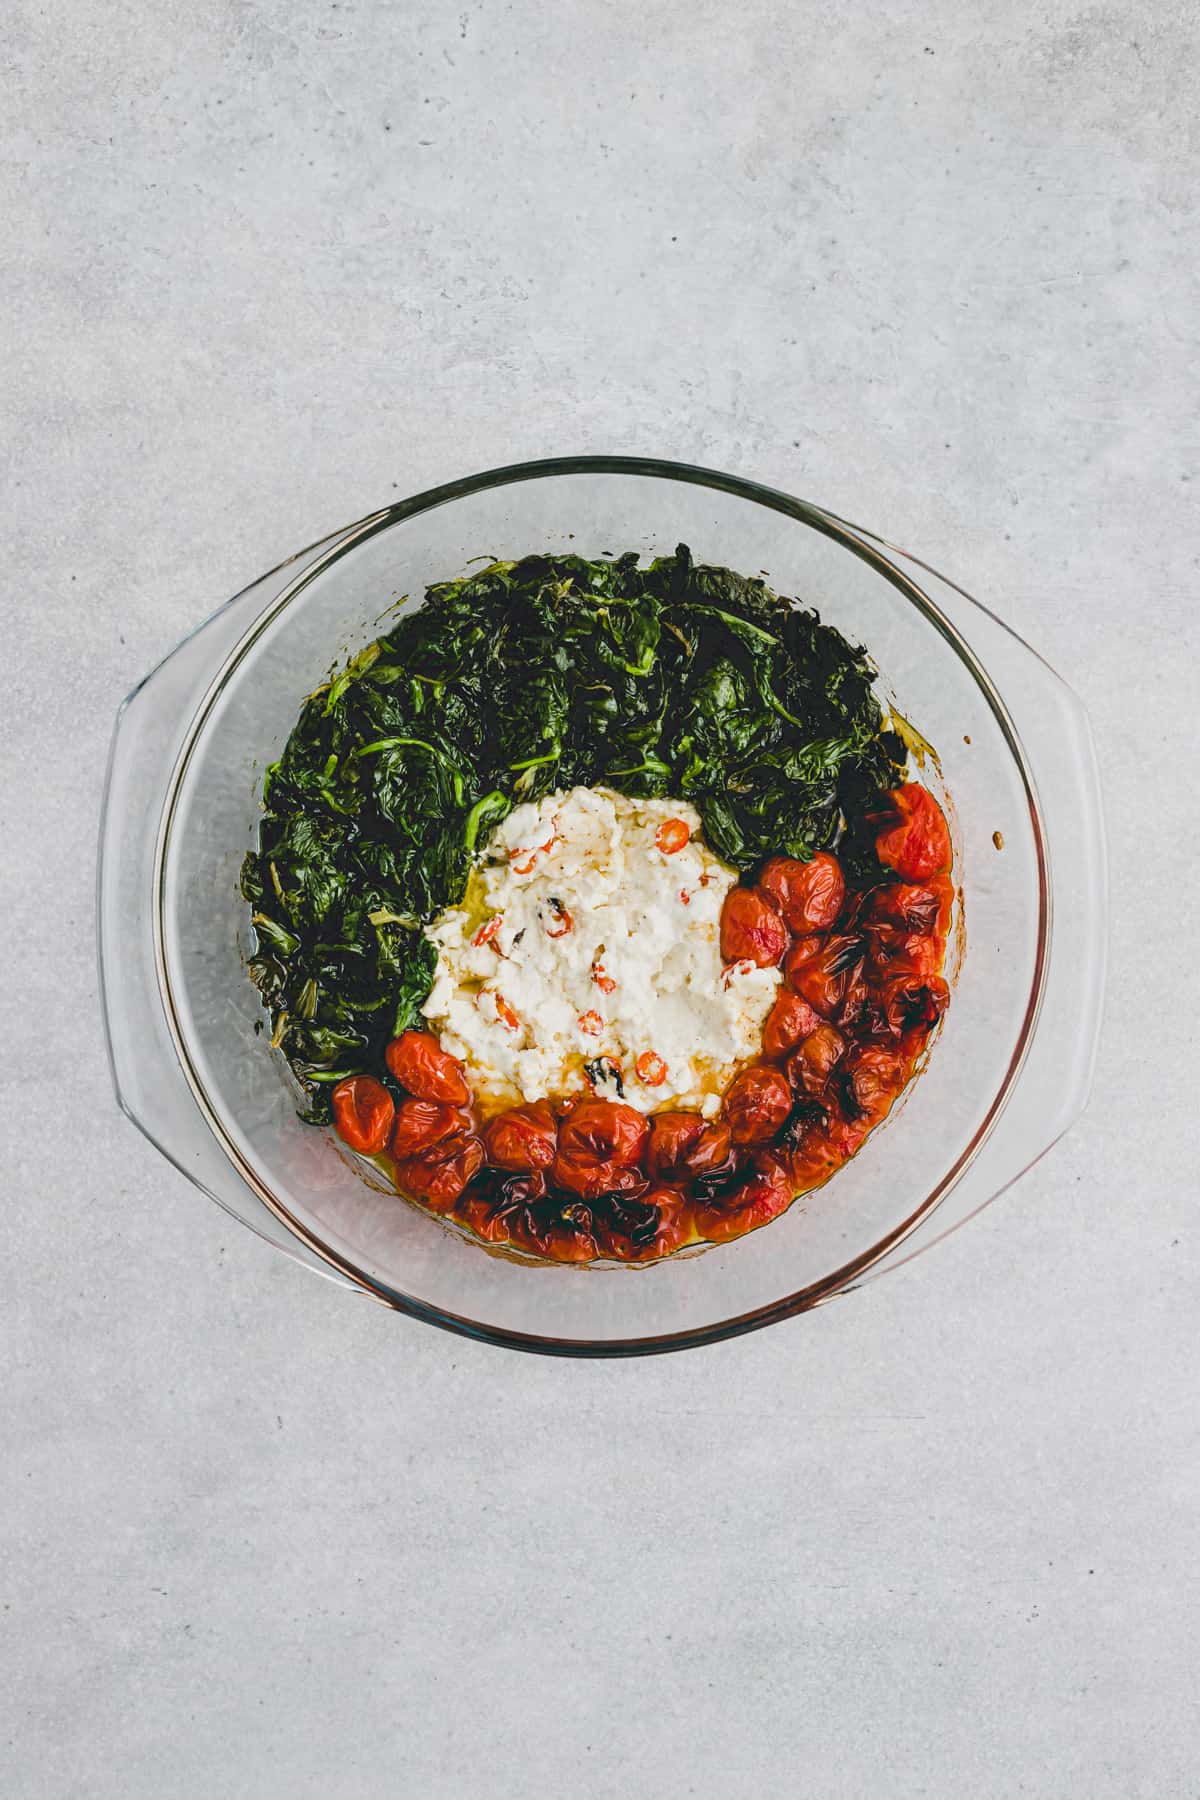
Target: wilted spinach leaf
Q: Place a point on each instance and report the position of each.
(507, 684)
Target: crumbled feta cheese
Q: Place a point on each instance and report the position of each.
(582, 937)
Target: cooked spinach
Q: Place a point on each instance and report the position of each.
(507, 684)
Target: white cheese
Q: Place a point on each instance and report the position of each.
(581, 938)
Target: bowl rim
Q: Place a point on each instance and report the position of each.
(860, 543)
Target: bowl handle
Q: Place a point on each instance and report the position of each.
(149, 1082)
(1054, 1084)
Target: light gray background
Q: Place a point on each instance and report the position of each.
(270, 265)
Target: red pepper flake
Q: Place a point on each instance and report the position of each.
(672, 835)
(591, 1023)
(651, 1069)
(602, 979)
(487, 931)
(738, 968)
(506, 1015)
(528, 857)
(563, 922)
(685, 897)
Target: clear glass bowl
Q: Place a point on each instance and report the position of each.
(1008, 1072)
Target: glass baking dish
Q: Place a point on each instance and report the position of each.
(1012, 760)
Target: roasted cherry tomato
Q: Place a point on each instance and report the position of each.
(853, 1003)
(491, 1213)
(438, 1176)
(913, 906)
(420, 1123)
(561, 1231)
(756, 1104)
(599, 1145)
(802, 952)
(523, 1139)
(650, 1069)
(789, 1021)
(762, 1197)
(363, 1111)
(914, 1002)
(683, 1144)
(894, 951)
(916, 840)
(808, 894)
(810, 1067)
(672, 835)
(824, 978)
(871, 1079)
(653, 1225)
(604, 1130)
(751, 929)
(420, 1064)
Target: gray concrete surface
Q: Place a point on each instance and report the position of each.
(267, 265)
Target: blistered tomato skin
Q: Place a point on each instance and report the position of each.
(641, 1230)
(751, 929)
(872, 1078)
(438, 1177)
(683, 1144)
(917, 842)
(363, 1111)
(522, 1140)
(419, 1063)
(422, 1123)
(813, 1063)
(762, 1198)
(825, 978)
(756, 1104)
(913, 906)
(599, 1145)
(789, 1021)
(808, 894)
(560, 1232)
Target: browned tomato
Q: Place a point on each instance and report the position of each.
(561, 1230)
(808, 894)
(653, 1225)
(363, 1111)
(599, 1144)
(894, 951)
(872, 1077)
(789, 1021)
(916, 839)
(491, 1210)
(523, 1139)
(912, 1001)
(683, 1144)
(420, 1123)
(811, 1066)
(913, 906)
(824, 978)
(756, 1104)
(751, 929)
(761, 1198)
(438, 1176)
(800, 955)
(420, 1064)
